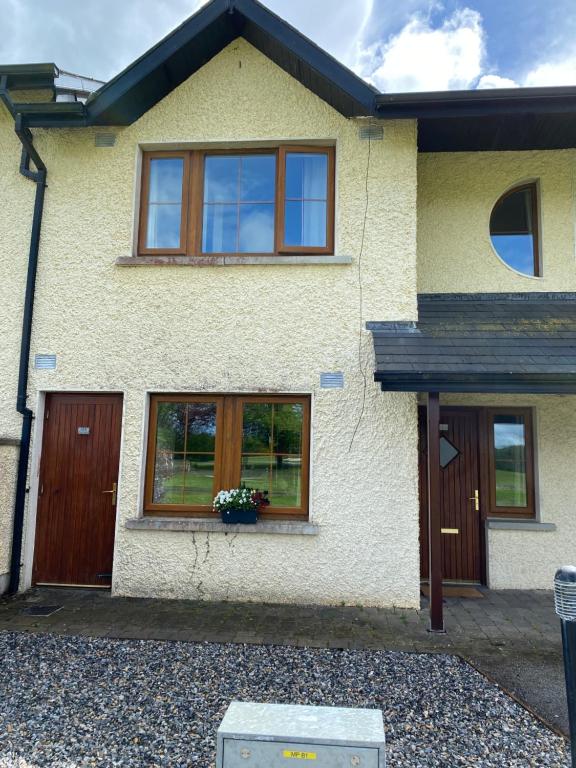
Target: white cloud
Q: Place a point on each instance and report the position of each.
(495, 81)
(553, 73)
(423, 58)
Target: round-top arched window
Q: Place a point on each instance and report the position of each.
(514, 229)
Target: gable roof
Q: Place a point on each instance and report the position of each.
(503, 342)
(190, 46)
(448, 121)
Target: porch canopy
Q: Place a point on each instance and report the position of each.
(523, 343)
(481, 342)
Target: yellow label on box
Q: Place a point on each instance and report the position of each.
(299, 755)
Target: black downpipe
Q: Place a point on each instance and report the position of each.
(39, 177)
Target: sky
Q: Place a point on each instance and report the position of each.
(397, 45)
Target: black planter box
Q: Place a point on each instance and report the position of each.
(242, 516)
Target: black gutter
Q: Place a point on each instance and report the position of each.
(39, 178)
(479, 103)
(487, 382)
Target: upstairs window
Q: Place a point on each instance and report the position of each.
(257, 202)
(514, 229)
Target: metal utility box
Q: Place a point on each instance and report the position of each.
(288, 736)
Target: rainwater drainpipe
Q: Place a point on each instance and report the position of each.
(39, 178)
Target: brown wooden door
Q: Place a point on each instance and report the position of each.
(76, 513)
(462, 552)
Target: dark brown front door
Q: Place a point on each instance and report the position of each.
(77, 500)
(462, 548)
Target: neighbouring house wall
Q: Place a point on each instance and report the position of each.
(520, 559)
(244, 329)
(456, 194)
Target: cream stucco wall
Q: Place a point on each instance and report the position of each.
(8, 464)
(244, 328)
(16, 202)
(16, 205)
(528, 559)
(456, 194)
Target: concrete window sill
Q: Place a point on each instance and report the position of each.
(294, 527)
(519, 525)
(228, 261)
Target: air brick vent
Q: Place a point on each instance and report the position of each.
(333, 380)
(371, 131)
(45, 362)
(105, 139)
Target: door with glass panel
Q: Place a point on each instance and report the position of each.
(462, 551)
(486, 471)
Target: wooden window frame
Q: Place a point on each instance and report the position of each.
(144, 205)
(281, 247)
(227, 453)
(533, 188)
(529, 511)
(193, 202)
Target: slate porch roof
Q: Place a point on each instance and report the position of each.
(484, 342)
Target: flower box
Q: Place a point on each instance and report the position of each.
(239, 506)
(239, 516)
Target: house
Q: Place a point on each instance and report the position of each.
(237, 262)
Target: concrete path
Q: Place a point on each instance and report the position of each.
(512, 637)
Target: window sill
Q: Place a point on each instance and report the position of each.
(229, 261)
(519, 525)
(292, 527)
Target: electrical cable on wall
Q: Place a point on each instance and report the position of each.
(361, 295)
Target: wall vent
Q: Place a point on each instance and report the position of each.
(333, 380)
(105, 139)
(371, 131)
(45, 362)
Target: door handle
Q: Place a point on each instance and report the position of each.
(113, 492)
(476, 500)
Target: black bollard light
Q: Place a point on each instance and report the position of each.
(565, 604)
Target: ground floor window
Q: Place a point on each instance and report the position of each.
(201, 444)
(511, 462)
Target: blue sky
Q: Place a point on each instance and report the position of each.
(397, 44)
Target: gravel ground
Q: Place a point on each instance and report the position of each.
(75, 701)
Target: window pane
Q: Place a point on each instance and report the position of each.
(201, 431)
(257, 428)
(163, 230)
(279, 475)
(246, 183)
(198, 479)
(306, 176)
(517, 251)
(221, 178)
(271, 451)
(258, 178)
(185, 453)
(510, 461)
(288, 428)
(168, 479)
(171, 427)
(256, 228)
(512, 229)
(219, 229)
(305, 224)
(166, 180)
